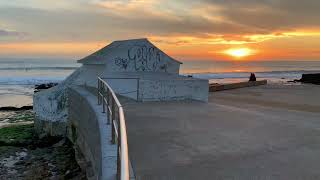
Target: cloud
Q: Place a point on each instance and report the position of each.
(270, 15)
(184, 21)
(7, 33)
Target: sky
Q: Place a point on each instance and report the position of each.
(184, 29)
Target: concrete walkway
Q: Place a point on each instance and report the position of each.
(267, 132)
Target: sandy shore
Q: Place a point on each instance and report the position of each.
(264, 132)
(16, 95)
(301, 97)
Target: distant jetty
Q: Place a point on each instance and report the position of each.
(222, 87)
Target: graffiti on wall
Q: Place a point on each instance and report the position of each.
(142, 58)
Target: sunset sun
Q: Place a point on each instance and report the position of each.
(239, 53)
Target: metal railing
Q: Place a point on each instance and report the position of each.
(109, 101)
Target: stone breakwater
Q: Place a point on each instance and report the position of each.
(221, 87)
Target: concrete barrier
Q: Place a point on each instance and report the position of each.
(222, 87)
(89, 131)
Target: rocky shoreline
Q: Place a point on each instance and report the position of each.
(12, 108)
(309, 78)
(25, 156)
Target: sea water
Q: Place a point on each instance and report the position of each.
(236, 71)
(18, 76)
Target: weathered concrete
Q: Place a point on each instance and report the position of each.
(51, 105)
(51, 128)
(134, 55)
(222, 87)
(89, 131)
(157, 72)
(264, 132)
(149, 86)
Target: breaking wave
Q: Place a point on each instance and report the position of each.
(270, 74)
(37, 68)
(29, 80)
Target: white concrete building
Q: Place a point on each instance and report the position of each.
(134, 68)
(138, 69)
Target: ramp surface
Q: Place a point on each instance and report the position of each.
(265, 132)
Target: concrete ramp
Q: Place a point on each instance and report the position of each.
(242, 134)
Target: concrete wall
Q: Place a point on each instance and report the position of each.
(124, 87)
(89, 131)
(176, 89)
(51, 105)
(221, 87)
(87, 74)
(141, 58)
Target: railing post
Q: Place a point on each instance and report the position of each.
(112, 121)
(103, 105)
(108, 105)
(138, 87)
(117, 121)
(103, 95)
(108, 97)
(98, 93)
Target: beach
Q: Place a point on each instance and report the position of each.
(23, 155)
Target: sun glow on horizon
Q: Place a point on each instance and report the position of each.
(239, 52)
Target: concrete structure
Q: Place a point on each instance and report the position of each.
(137, 55)
(134, 68)
(264, 132)
(89, 131)
(137, 69)
(222, 87)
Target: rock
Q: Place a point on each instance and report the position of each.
(20, 163)
(11, 108)
(60, 143)
(68, 174)
(294, 81)
(311, 78)
(39, 87)
(54, 177)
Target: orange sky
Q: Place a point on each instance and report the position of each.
(186, 30)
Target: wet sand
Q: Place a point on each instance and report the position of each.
(264, 132)
(16, 95)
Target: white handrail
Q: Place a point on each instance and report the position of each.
(104, 91)
(124, 146)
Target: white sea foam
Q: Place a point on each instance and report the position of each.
(28, 80)
(283, 74)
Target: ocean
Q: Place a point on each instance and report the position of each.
(18, 76)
